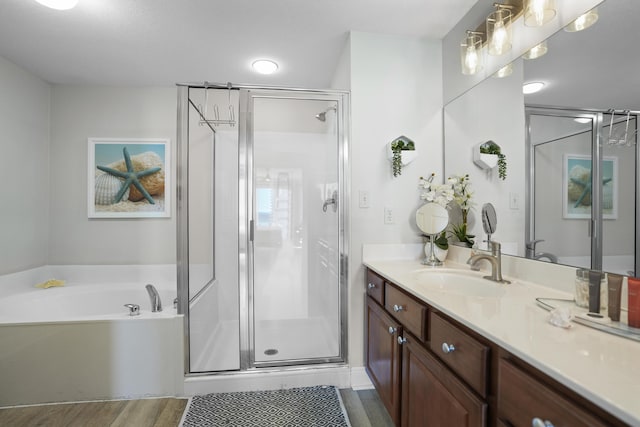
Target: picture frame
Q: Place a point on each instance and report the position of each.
(576, 202)
(150, 161)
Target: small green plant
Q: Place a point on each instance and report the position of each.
(441, 241)
(460, 232)
(397, 146)
(491, 147)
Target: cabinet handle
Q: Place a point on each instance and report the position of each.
(448, 348)
(397, 308)
(401, 340)
(537, 422)
(392, 330)
(371, 286)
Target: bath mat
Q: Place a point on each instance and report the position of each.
(318, 406)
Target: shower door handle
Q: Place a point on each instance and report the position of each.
(333, 200)
(251, 230)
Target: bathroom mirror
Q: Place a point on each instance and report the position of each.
(495, 109)
(432, 218)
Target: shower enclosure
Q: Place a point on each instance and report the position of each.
(262, 227)
(583, 187)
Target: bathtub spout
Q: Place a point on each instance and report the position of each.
(154, 296)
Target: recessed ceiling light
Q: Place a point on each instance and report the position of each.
(264, 66)
(582, 120)
(59, 4)
(532, 87)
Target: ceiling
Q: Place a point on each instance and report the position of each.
(162, 42)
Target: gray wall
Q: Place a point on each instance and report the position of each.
(78, 113)
(24, 169)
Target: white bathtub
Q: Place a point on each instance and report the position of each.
(78, 342)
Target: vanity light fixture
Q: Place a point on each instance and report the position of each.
(471, 53)
(532, 87)
(537, 51)
(539, 12)
(499, 31)
(264, 66)
(504, 71)
(59, 4)
(583, 22)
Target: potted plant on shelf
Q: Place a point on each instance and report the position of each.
(397, 146)
(492, 148)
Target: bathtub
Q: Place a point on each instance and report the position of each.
(78, 342)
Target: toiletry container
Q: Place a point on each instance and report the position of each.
(582, 289)
(634, 301)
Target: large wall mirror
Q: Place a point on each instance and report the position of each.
(571, 192)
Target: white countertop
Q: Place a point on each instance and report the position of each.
(603, 368)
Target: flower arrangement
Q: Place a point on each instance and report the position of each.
(441, 194)
(462, 196)
(456, 191)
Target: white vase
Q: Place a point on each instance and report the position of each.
(441, 254)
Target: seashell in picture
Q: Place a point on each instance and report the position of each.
(107, 187)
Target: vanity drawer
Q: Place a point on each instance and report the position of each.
(522, 398)
(465, 355)
(375, 287)
(409, 312)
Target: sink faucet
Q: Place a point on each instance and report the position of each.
(154, 296)
(532, 254)
(494, 258)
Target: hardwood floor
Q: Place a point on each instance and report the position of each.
(363, 407)
(130, 413)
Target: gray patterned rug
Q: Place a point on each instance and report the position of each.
(319, 406)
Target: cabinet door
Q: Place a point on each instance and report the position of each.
(383, 357)
(432, 396)
(522, 398)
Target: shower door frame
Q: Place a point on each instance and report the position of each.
(596, 226)
(246, 209)
(244, 179)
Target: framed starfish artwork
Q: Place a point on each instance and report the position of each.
(577, 186)
(129, 178)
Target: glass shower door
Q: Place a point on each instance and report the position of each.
(295, 219)
(561, 151)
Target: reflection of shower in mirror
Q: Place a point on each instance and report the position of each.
(323, 115)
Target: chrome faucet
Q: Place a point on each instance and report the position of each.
(154, 296)
(494, 258)
(532, 254)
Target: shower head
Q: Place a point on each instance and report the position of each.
(323, 115)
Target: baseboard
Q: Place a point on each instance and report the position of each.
(360, 379)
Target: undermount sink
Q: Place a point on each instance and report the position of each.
(459, 282)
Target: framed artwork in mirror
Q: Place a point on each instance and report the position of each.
(128, 178)
(576, 187)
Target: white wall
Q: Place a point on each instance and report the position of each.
(78, 113)
(492, 110)
(396, 89)
(24, 169)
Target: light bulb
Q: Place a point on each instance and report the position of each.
(583, 21)
(539, 12)
(471, 60)
(505, 71)
(537, 51)
(499, 39)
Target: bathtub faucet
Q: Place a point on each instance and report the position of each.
(154, 296)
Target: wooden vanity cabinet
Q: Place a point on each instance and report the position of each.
(470, 381)
(433, 396)
(383, 357)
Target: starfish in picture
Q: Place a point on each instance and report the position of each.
(131, 177)
(586, 184)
